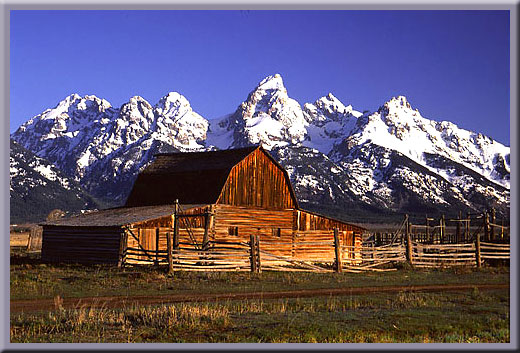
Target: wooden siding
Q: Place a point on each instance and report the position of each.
(81, 244)
(257, 181)
(304, 220)
(250, 221)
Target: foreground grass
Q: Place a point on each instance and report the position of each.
(456, 317)
(30, 279)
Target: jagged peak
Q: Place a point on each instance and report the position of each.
(398, 102)
(174, 98)
(271, 82)
(138, 99)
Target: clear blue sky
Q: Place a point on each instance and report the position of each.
(452, 65)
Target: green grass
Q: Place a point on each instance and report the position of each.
(33, 280)
(456, 317)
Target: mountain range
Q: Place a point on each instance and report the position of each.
(354, 165)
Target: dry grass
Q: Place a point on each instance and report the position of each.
(18, 239)
(402, 317)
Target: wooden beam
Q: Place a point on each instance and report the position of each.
(493, 219)
(252, 244)
(156, 246)
(339, 265)
(170, 250)
(408, 242)
(478, 258)
(123, 243)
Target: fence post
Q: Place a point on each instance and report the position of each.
(493, 219)
(477, 250)
(468, 225)
(122, 249)
(427, 229)
(205, 237)
(408, 241)
(252, 244)
(443, 229)
(339, 265)
(459, 237)
(486, 226)
(257, 248)
(169, 250)
(156, 262)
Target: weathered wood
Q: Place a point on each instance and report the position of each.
(478, 259)
(156, 246)
(486, 226)
(459, 237)
(467, 229)
(338, 264)
(122, 248)
(205, 239)
(409, 256)
(258, 259)
(258, 180)
(492, 221)
(169, 246)
(253, 253)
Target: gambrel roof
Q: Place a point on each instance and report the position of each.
(191, 178)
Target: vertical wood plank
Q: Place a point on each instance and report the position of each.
(492, 228)
(339, 265)
(409, 256)
(478, 259)
(123, 243)
(156, 246)
(169, 249)
(252, 244)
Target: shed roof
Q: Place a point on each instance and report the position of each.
(118, 216)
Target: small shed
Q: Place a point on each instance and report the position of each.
(224, 196)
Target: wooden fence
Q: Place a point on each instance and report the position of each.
(436, 231)
(255, 257)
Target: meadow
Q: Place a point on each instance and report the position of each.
(405, 316)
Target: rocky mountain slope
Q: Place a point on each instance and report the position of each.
(393, 159)
(37, 187)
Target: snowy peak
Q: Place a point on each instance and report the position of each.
(178, 125)
(171, 104)
(267, 117)
(397, 103)
(397, 126)
(274, 82)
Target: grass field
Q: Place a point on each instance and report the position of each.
(463, 316)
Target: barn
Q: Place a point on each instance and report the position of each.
(199, 198)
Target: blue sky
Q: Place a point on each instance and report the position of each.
(452, 65)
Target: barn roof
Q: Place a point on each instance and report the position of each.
(192, 178)
(118, 216)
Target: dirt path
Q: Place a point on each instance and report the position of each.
(18, 306)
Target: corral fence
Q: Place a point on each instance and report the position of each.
(454, 230)
(328, 256)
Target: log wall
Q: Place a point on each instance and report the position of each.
(81, 244)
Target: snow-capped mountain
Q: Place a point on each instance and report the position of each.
(390, 159)
(37, 187)
(268, 117)
(103, 147)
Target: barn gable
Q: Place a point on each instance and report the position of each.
(244, 176)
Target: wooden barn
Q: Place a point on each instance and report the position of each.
(223, 196)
